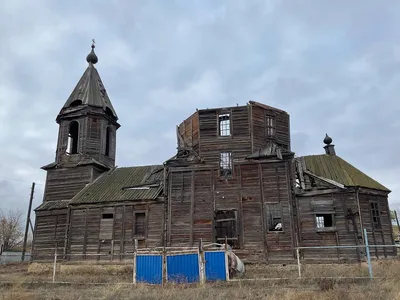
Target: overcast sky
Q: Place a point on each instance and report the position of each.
(332, 65)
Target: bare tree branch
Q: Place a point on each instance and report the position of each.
(11, 228)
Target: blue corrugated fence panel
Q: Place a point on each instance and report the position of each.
(183, 268)
(215, 265)
(149, 269)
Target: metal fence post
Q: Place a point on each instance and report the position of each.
(201, 263)
(134, 263)
(368, 254)
(298, 261)
(54, 266)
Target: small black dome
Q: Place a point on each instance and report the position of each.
(327, 139)
(92, 57)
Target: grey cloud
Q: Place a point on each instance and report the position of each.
(331, 65)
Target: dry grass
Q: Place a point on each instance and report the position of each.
(22, 274)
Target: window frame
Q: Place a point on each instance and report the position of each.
(376, 225)
(234, 239)
(230, 160)
(327, 228)
(267, 218)
(219, 131)
(270, 129)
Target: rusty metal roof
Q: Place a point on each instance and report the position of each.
(123, 184)
(91, 91)
(335, 168)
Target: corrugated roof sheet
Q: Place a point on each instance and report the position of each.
(124, 184)
(50, 205)
(335, 168)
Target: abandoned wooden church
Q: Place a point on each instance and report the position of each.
(234, 177)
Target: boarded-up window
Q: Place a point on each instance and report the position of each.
(270, 126)
(273, 216)
(224, 122)
(225, 164)
(376, 216)
(226, 227)
(106, 226)
(140, 224)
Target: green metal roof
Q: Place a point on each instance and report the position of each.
(50, 205)
(123, 184)
(335, 168)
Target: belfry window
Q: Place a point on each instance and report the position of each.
(108, 141)
(73, 134)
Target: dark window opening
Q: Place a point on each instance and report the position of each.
(324, 220)
(73, 133)
(140, 224)
(75, 103)
(226, 227)
(274, 217)
(225, 164)
(108, 141)
(107, 216)
(224, 122)
(376, 216)
(270, 126)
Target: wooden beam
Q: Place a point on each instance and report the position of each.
(239, 178)
(261, 184)
(85, 234)
(191, 208)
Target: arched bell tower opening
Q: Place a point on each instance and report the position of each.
(108, 141)
(73, 137)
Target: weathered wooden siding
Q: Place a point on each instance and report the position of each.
(89, 233)
(65, 183)
(377, 236)
(49, 233)
(342, 233)
(282, 126)
(195, 194)
(189, 131)
(211, 144)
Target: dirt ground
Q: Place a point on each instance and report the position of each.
(81, 281)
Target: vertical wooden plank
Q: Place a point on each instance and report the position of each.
(191, 208)
(292, 222)
(250, 112)
(360, 215)
(240, 194)
(261, 184)
(122, 243)
(85, 233)
(66, 233)
(169, 208)
(113, 232)
(147, 225)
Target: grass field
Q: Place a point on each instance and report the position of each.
(23, 281)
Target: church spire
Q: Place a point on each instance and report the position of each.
(92, 57)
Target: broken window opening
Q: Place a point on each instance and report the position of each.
(270, 126)
(376, 216)
(226, 227)
(108, 141)
(224, 124)
(73, 134)
(225, 164)
(273, 214)
(106, 226)
(140, 224)
(324, 220)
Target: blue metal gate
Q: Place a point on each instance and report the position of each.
(215, 265)
(183, 268)
(149, 268)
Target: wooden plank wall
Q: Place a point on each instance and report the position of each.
(196, 193)
(50, 229)
(189, 130)
(89, 233)
(211, 144)
(382, 236)
(337, 203)
(282, 122)
(65, 183)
